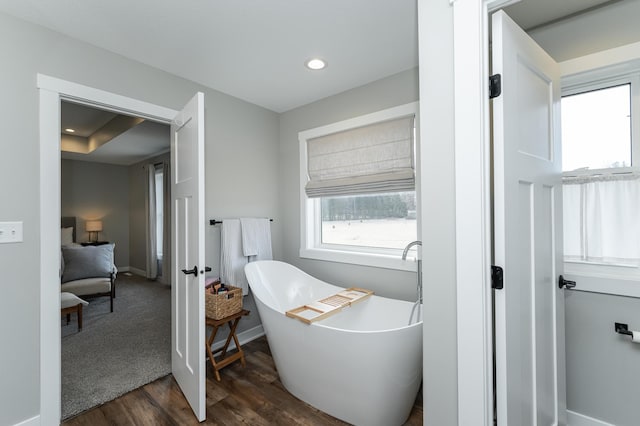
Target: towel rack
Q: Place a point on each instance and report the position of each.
(213, 222)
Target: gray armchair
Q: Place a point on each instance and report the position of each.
(89, 271)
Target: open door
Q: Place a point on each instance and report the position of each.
(529, 310)
(187, 284)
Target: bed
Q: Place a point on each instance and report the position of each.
(88, 271)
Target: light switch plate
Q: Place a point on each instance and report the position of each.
(10, 232)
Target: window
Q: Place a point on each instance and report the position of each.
(358, 189)
(596, 128)
(601, 183)
(381, 221)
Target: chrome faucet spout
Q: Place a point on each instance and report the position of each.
(418, 303)
(408, 247)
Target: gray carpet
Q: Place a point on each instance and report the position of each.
(116, 352)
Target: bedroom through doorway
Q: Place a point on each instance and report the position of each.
(114, 185)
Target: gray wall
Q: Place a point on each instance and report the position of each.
(98, 191)
(603, 369)
(236, 130)
(137, 212)
(392, 91)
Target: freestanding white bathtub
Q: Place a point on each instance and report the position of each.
(362, 365)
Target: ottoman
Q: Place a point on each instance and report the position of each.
(70, 303)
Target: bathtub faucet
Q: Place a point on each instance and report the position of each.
(404, 257)
(408, 247)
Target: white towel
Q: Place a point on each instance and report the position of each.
(250, 227)
(256, 238)
(232, 260)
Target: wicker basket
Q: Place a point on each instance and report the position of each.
(218, 306)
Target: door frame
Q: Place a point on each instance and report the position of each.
(466, 22)
(51, 92)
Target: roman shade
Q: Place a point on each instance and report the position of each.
(376, 158)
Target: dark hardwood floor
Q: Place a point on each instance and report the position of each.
(251, 396)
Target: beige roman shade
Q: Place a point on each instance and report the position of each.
(376, 158)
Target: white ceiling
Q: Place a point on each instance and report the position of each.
(83, 120)
(251, 49)
(255, 49)
(137, 144)
(534, 13)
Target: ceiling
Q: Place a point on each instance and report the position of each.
(255, 49)
(531, 14)
(126, 142)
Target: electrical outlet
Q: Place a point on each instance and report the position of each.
(10, 232)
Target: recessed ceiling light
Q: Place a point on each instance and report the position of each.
(70, 130)
(316, 64)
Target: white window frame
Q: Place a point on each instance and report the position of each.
(311, 246)
(615, 80)
(608, 278)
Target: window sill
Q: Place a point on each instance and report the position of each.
(605, 279)
(605, 285)
(359, 258)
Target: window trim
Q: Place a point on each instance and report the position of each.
(310, 248)
(622, 280)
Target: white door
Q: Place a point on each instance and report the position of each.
(187, 213)
(529, 310)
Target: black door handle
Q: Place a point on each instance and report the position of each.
(193, 271)
(565, 283)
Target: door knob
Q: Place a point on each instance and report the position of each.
(193, 271)
(565, 283)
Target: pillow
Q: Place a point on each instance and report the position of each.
(66, 236)
(87, 262)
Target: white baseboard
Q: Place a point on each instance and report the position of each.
(243, 337)
(140, 272)
(577, 419)
(136, 271)
(33, 421)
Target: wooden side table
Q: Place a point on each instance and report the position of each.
(233, 321)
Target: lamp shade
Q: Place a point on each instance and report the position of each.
(93, 225)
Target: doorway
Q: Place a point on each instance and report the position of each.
(107, 162)
(51, 92)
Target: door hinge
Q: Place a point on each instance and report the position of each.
(495, 86)
(497, 277)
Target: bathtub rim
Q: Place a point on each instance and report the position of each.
(343, 330)
(256, 265)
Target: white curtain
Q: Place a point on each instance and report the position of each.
(150, 207)
(166, 226)
(601, 220)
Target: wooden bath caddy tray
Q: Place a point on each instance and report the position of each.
(321, 309)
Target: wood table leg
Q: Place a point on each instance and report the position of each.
(225, 360)
(211, 357)
(79, 316)
(232, 333)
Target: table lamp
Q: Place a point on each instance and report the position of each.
(94, 226)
